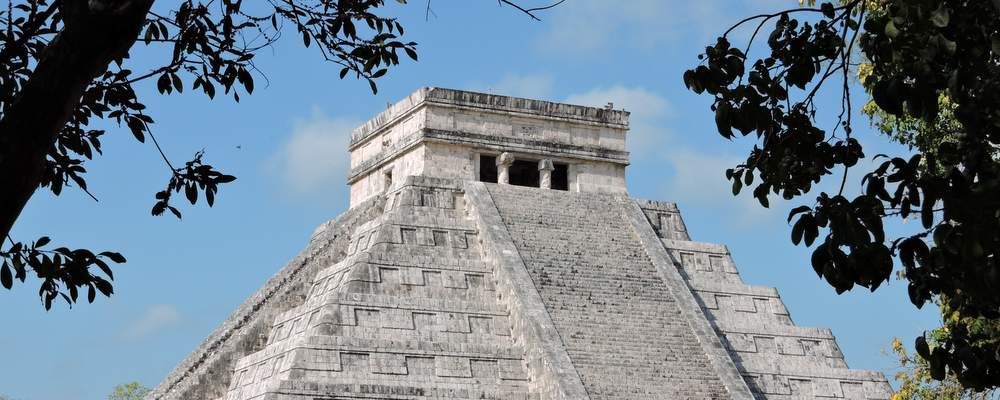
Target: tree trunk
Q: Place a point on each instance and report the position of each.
(95, 32)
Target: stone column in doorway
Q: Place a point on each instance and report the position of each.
(503, 168)
(545, 174)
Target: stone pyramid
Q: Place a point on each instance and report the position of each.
(491, 251)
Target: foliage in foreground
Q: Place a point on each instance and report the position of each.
(930, 68)
(65, 67)
(915, 381)
(129, 391)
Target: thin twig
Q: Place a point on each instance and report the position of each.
(428, 12)
(158, 148)
(530, 11)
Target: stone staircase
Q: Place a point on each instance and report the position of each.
(778, 359)
(619, 321)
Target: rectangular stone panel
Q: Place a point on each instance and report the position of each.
(475, 281)
(501, 325)
(512, 370)
(324, 359)
(297, 326)
(457, 367)
(481, 324)
(428, 199)
(367, 317)
(432, 278)
(458, 240)
(485, 369)
(765, 344)
(424, 322)
(762, 306)
(715, 263)
(440, 237)
(412, 276)
(790, 346)
(454, 279)
(420, 366)
(425, 237)
(800, 387)
(455, 322)
(827, 388)
(397, 319)
(853, 390)
(388, 363)
(389, 276)
(409, 235)
(355, 362)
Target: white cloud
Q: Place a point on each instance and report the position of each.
(594, 27)
(649, 111)
(699, 179)
(640, 102)
(156, 318)
(314, 157)
(532, 86)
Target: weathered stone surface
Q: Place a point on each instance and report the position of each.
(441, 133)
(440, 287)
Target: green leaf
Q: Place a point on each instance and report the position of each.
(6, 278)
(941, 17)
(723, 121)
(113, 256)
(819, 258)
(246, 79)
(191, 192)
(797, 230)
(178, 85)
(797, 210)
(827, 9)
(811, 229)
(225, 179)
(891, 30)
(104, 286)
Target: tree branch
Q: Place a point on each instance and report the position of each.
(530, 11)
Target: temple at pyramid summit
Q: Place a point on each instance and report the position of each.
(491, 251)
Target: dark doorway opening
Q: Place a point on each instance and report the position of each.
(487, 168)
(560, 177)
(524, 173)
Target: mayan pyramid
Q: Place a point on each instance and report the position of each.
(491, 251)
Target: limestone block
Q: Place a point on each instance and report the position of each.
(457, 367)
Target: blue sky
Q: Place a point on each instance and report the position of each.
(287, 145)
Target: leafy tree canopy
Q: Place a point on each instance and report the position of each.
(916, 383)
(129, 391)
(65, 66)
(930, 68)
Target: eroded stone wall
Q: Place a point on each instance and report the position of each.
(206, 373)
